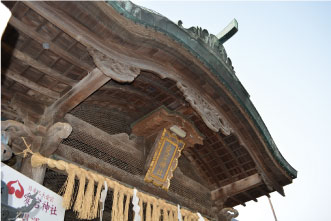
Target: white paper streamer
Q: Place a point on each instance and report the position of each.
(179, 213)
(136, 207)
(200, 217)
(103, 199)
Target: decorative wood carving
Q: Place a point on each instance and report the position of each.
(15, 129)
(228, 214)
(42, 140)
(118, 71)
(49, 138)
(165, 159)
(209, 113)
(164, 118)
(54, 136)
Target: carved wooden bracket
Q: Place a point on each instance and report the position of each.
(227, 214)
(209, 113)
(115, 70)
(15, 129)
(54, 136)
(44, 141)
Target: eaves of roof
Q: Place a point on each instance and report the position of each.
(213, 62)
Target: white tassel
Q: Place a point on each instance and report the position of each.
(200, 217)
(103, 199)
(179, 214)
(136, 207)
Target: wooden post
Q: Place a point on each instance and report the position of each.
(35, 173)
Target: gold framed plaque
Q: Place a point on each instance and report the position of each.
(165, 159)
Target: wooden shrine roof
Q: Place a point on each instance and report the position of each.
(46, 53)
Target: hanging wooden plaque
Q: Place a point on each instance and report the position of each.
(165, 159)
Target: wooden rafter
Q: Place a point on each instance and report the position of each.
(53, 47)
(164, 90)
(37, 65)
(32, 85)
(227, 146)
(206, 166)
(249, 196)
(237, 187)
(238, 201)
(67, 24)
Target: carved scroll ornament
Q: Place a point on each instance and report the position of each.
(227, 214)
(209, 113)
(116, 70)
(50, 138)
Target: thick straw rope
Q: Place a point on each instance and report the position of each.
(87, 205)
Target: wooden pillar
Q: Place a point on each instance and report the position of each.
(35, 173)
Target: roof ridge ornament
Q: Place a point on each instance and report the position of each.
(215, 42)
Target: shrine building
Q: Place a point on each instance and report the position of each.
(111, 93)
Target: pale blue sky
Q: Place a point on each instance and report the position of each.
(282, 56)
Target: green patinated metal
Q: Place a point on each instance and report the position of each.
(218, 67)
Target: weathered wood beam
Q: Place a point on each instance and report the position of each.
(120, 142)
(53, 47)
(37, 65)
(84, 88)
(237, 187)
(266, 176)
(238, 201)
(269, 181)
(32, 85)
(249, 196)
(130, 90)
